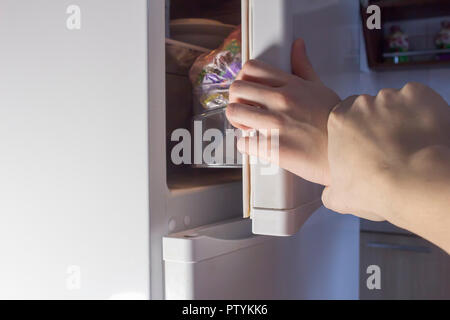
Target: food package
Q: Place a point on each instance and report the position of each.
(212, 73)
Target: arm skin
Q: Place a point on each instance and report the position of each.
(422, 196)
(389, 159)
(381, 158)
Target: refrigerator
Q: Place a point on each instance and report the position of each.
(90, 205)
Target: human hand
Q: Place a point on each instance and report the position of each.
(298, 104)
(387, 158)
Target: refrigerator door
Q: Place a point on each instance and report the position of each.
(73, 149)
(277, 201)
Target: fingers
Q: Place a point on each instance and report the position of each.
(329, 200)
(252, 93)
(259, 146)
(339, 111)
(260, 72)
(233, 122)
(238, 125)
(245, 117)
(301, 66)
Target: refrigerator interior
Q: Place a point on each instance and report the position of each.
(205, 195)
(180, 111)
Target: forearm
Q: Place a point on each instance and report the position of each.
(421, 196)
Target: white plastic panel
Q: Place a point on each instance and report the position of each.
(74, 215)
(214, 262)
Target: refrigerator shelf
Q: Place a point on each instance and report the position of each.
(210, 241)
(415, 53)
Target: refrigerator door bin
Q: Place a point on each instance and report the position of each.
(215, 123)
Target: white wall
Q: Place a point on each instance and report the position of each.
(333, 35)
(421, 33)
(328, 263)
(328, 260)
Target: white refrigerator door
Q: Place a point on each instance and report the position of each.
(73, 149)
(227, 260)
(277, 201)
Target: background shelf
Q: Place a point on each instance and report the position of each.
(422, 20)
(389, 66)
(412, 9)
(415, 53)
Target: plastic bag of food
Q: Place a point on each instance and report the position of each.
(212, 73)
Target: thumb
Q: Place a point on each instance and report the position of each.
(329, 199)
(301, 66)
